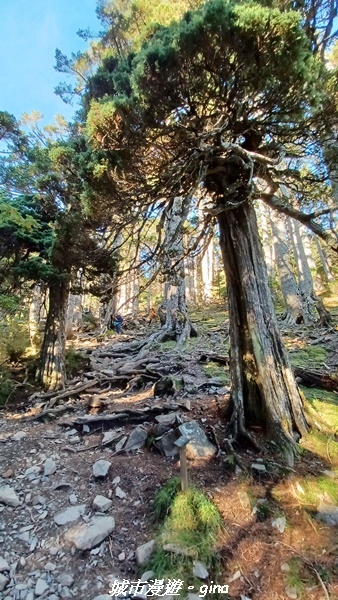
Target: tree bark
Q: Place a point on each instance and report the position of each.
(289, 286)
(177, 316)
(264, 391)
(52, 369)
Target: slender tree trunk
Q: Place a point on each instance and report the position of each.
(177, 316)
(324, 261)
(52, 371)
(289, 286)
(206, 269)
(36, 308)
(264, 391)
(267, 238)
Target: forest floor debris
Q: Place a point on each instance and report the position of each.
(46, 471)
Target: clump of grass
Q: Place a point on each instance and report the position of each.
(297, 577)
(214, 370)
(164, 498)
(314, 487)
(193, 526)
(309, 356)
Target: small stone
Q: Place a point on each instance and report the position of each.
(30, 596)
(8, 474)
(285, 567)
(41, 587)
(101, 503)
(235, 576)
(32, 472)
(88, 535)
(3, 582)
(72, 498)
(327, 513)
(119, 445)
(122, 556)
(103, 597)
(116, 480)
(8, 496)
(199, 445)
(49, 467)
(74, 439)
(70, 514)
(258, 467)
(4, 566)
(18, 436)
(200, 570)
(147, 575)
(137, 439)
(50, 566)
(66, 579)
(144, 552)
(279, 524)
(291, 592)
(120, 493)
(101, 468)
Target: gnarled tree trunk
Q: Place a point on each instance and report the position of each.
(264, 391)
(52, 370)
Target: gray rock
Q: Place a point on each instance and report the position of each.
(147, 575)
(166, 443)
(66, 579)
(70, 514)
(88, 535)
(199, 445)
(279, 523)
(50, 566)
(120, 493)
(72, 498)
(18, 436)
(101, 468)
(103, 597)
(30, 596)
(121, 443)
(3, 582)
(169, 419)
(330, 474)
(137, 439)
(41, 587)
(4, 566)
(101, 503)
(8, 496)
(291, 592)
(327, 513)
(32, 472)
(49, 467)
(258, 467)
(144, 552)
(200, 570)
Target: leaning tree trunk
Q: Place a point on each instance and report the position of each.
(264, 391)
(52, 370)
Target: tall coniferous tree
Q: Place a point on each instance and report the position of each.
(218, 100)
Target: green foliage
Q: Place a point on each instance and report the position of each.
(75, 361)
(14, 337)
(6, 385)
(193, 523)
(311, 356)
(164, 498)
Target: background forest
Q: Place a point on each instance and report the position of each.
(195, 193)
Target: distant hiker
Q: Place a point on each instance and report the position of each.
(118, 320)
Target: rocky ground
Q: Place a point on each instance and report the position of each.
(78, 477)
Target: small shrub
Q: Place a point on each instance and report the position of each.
(6, 385)
(75, 361)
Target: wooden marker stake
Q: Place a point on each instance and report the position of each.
(181, 443)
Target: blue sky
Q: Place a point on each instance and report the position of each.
(30, 30)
